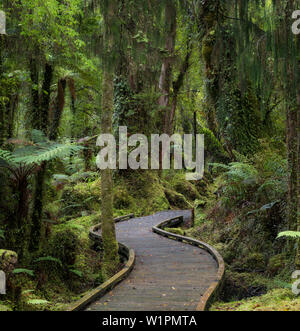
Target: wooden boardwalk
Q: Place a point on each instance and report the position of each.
(168, 275)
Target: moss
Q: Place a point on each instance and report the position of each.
(8, 260)
(81, 197)
(64, 245)
(147, 193)
(122, 199)
(213, 145)
(52, 210)
(5, 307)
(187, 189)
(274, 300)
(254, 262)
(175, 231)
(243, 285)
(176, 199)
(276, 264)
(208, 47)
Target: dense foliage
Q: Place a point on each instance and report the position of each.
(72, 69)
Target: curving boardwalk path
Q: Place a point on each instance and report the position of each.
(168, 275)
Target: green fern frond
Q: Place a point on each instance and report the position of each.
(289, 234)
(5, 155)
(48, 259)
(48, 153)
(77, 272)
(24, 271)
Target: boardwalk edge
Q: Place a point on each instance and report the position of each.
(211, 294)
(101, 290)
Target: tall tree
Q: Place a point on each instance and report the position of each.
(110, 244)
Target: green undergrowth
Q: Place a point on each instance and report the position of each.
(274, 300)
(241, 215)
(69, 266)
(62, 271)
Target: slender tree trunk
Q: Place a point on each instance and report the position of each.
(292, 144)
(59, 107)
(110, 244)
(169, 119)
(40, 116)
(37, 212)
(35, 98)
(45, 98)
(166, 70)
(298, 178)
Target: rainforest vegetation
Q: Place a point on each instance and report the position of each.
(73, 69)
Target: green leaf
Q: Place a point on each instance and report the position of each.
(24, 271)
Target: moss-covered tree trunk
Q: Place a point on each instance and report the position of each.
(166, 70)
(298, 178)
(110, 244)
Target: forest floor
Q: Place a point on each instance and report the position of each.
(274, 300)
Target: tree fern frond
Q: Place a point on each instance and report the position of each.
(289, 234)
(5, 155)
(48, 153)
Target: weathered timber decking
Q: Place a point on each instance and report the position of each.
(168, 275)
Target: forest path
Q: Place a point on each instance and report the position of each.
(168, 275)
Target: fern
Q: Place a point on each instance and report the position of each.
(38, 151)
(24, 271)
(48, 153)
(48, 259)
(5, 156)
(76, 272)
(289, 234)
(37, 302)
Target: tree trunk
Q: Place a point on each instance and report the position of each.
(169, 119)
(37, 213)
(35, 102)
(59, 107)
(110, 244)
(166, 70)
(45, 98)
(40, 120)
(298, 179)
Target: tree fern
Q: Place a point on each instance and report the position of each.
(47, 153)
(5, 155)
(38, 151)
